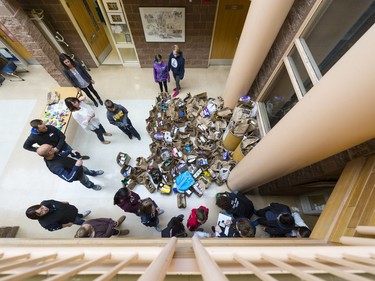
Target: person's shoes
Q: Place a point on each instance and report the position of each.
(158, 229)
(294, 209)
(175, 94)
(85, 157)
(161, 211)
(120, 220)
(98, 173)
(130, 137)
(96, 187)
(86, 213)
(124, 232)
(108, 134)
(213, 229)
(101, 102)
(176, 88)
(139, 138)
(96, 104)
(106, 142)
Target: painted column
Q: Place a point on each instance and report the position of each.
(263, 22)
(336, 114)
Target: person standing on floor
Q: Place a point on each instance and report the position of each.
(118, 115)
(176, 63)
(46, 134)
(127, 200)
(197, 218)
(175, 228)
(67, 168)
(85, 117)
(79, 77)
(54, 215)
(101, 228)
(149, 212)
(235, 203)
(161, 73)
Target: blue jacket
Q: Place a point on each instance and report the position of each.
(177, 65)
(53, 136)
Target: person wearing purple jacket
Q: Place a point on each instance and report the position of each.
(127, 200)
(161, 73)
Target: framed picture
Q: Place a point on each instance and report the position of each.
(163, 24)
(116, 18)
(112, 6)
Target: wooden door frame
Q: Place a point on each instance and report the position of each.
(78, 29)
(213, 33)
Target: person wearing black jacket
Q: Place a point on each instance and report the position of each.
(79, 77)
(277, 219)
(54, 215)
(175, 228)
(46, 134)
(67, 168)
(235, 203)
(176, 63)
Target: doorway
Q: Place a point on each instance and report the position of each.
(91, 26)
(231, 16)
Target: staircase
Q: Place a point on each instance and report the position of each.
(351, 204)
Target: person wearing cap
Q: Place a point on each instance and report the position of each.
(54, 215)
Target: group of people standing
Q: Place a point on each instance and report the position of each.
(176, 64)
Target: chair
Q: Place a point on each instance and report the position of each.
(8, 67)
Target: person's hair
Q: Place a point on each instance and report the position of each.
(35, 123)
(63, 57)
(287, 220)
(31, 212)
(82, 233)
(43, 150)
(223, 201)
(245, 228)
(201, 214)
(69, 103)
(178, 230)
(177, 49)
(158, 57)
(146, 207)
(304, 232)
(108, 104)
(120, 195)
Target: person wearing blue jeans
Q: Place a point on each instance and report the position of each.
(54, 215)
(67, 168)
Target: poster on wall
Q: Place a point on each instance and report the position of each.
(161, 24)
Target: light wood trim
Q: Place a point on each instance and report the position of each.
(346, 263)
(359, 259)
(27, 262)
(112, 272)
(34, 271)
(18, 257)
(366, 230)
(328, 269)
(158, 268)
(308, 60)
(292, 269)
(75, 270)
(257, 272)
(295, 78)
(208, 267)
(357, 241)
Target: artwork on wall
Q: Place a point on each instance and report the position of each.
(163, 24)
(116, 18)
(112, 6)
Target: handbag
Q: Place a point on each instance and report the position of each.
(53, 97)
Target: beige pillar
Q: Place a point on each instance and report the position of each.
(261, 27)
(336, 114)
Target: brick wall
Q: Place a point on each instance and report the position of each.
(199, 24)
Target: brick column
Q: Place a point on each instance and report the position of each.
(23, 29)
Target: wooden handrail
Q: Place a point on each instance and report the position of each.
(112, 272)
(357, 241)
(359, 259)
(257, 272)
(75, 270)
(366, 230)
(208, 267)
(27, 262)
(346, 263)
(14, 258)
(158, 268)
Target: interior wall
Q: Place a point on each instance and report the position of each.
(199, 24)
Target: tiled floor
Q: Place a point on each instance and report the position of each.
(25, 180)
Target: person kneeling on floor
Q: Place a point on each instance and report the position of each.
(101, 228)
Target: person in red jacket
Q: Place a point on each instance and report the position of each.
(197, 218)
